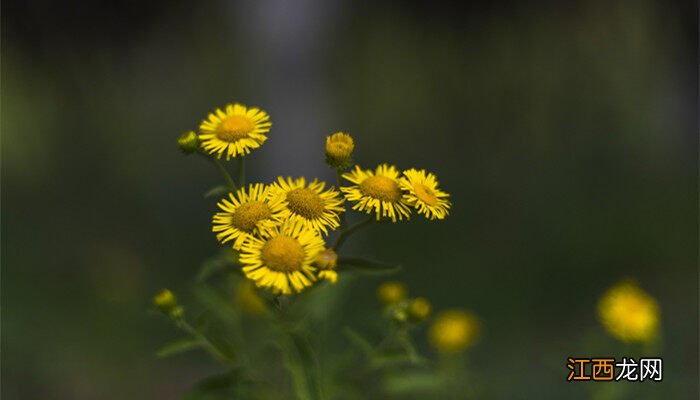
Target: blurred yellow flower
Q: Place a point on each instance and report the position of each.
(326, 261)
(377, 191)
(311, 205)
(339, 147)
(422, 193)
(418, 309)
(250, 211)
(391, 292)
(282, 261)
(166, 302)
(234, 131)
(454, 331)
(628, 313)
(248, 299)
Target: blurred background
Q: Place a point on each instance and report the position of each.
(565, 132)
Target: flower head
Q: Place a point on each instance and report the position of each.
(248, 298)
(188, 142)
(339, 147)
(454, 331)
(251, 211)
(282, 260)
(377, 191)
(311, 204)
(628, 313)
(326, 261)
(234, 131)
(418, 309)
(422, 193)
(391, 292)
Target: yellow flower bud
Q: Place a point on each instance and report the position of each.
(628, 313)
(391, 292)
(418, 309)
(166, 303)
(326, 261)
(248, 298)
(454, 331)
(188, 142)
(339, 147)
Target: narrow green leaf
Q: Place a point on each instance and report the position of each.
(358, 340)
(367, 267)
(178, 346)
(217, 191)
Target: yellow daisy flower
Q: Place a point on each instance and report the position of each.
(282, 261)
(339, 147)
(311, 204)
(378, 191)
(422, 193)
(235, 130)
(250, 211)
(628, 313)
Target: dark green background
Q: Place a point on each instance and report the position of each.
(565, 132)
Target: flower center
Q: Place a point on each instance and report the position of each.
(247, 215)
(305, 202)
(425, 194)
(234, 127)
(382, 188)
(283, 254)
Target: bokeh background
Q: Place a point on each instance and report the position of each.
(566, 133)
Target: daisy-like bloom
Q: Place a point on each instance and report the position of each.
(326, 261)
(282, 261)
(628, 313)
(339, 147)
(422, 193)
(378, 191)
(454, 331)
(250, 211)
(234, 131)
(311, 204)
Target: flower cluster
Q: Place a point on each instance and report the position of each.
(280, 229)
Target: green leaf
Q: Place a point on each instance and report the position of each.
(366, 267)
(358, 340)
(217, 387)
(178, 346)
(217, 191)
(411, 382)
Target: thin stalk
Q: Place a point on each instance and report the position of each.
(347, 232)
(204, 341)
(338, 174)
(224, 173)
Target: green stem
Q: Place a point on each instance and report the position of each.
(338, 176)
(347, 232)
(204, 341)
(224, 173)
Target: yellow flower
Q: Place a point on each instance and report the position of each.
(454, 331)
(418, 309)
(628, 313)
(166, 302)
(282, 261)
(234, 131)
(248, 298)
(326, 261)
(249, 212)
(378, 191)
(316, 208)
(391, 292)
(422, 193)
(339, 147)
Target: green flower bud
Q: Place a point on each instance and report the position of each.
(188, 142)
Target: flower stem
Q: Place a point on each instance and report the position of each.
(224, 173)
(338, 174)
(347, 232)
(204, 341)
